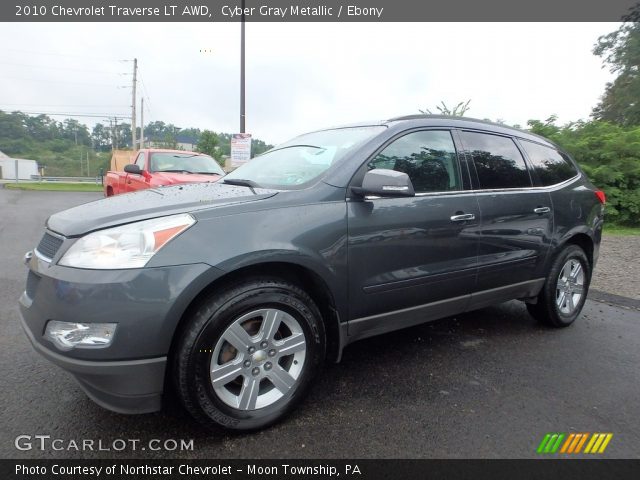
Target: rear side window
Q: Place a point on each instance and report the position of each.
(550, 166)
(498, 161)
(428, 157)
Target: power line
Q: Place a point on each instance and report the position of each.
(58, 105)
(58, 81)
(69, 114)
(39, 52)
(145, 92)
(103, 72)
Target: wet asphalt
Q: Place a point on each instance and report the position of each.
(486, 384)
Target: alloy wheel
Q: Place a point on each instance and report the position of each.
(258, 359)
(570, 286)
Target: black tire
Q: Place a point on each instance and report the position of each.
(546, 310)
(194, 352)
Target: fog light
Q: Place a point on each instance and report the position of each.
(67, 335)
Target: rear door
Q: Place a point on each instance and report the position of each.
(517, 219)
(408, 253)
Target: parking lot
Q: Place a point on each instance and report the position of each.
(486, 384)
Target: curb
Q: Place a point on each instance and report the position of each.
(611, 299)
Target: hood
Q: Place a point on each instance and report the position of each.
(173, 178)
(145, 204)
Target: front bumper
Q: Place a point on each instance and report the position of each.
(147, 304)
(129, 386)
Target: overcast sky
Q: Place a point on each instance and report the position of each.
(303, 76)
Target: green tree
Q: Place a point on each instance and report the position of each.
(609, 154)
(191, 132)
(258, 146)
(620, 51)
(547, 128)
(155, 129)
(123, 135)
(101, 137)
(458, 111)
(53, 144)
(210, 144)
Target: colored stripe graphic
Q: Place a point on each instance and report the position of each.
(565, 447)
(555, 447)
(598, 443)
(605, 443)
(543, 443)
(581, 442)
(573, 443)
(550, 443)
(591, 442)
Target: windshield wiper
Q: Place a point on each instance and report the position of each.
(241, 182)
(175, 171)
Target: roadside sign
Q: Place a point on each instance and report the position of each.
(240, 148)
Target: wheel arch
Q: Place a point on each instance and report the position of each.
(312, 282)
(582, 240)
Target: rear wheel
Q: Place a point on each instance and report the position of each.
(248, 354)
(565, 290)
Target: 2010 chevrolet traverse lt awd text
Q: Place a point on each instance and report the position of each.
(234, 293)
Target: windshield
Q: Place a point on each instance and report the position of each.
(184, 163)
(304, 159)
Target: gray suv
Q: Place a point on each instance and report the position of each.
(232, 294)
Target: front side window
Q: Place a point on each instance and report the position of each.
(550, 166)
(498, 162)
(428, 157)
(184, 163)
(140, 161)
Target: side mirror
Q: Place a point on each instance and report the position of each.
(385, 183)
(133, 168)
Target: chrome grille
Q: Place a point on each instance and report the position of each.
(49, 245)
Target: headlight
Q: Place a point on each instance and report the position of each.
(67, 335)
(127, 246)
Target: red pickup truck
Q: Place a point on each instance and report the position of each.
(156, 167)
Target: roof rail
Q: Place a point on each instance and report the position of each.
(469, 119)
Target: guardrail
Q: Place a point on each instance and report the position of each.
(97, 179)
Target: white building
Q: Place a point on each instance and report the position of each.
(26, 168)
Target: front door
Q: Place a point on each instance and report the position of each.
(409, 254)
(137, 182)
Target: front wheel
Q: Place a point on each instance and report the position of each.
(249, 354)
(565, 290)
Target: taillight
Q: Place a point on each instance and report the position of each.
(601, 196)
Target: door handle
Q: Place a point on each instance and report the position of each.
(542, 210)
(463, 218)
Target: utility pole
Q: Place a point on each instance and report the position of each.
(242, 114)
(133, 105)
(141, 123)
(115, 131)
(113, 143)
